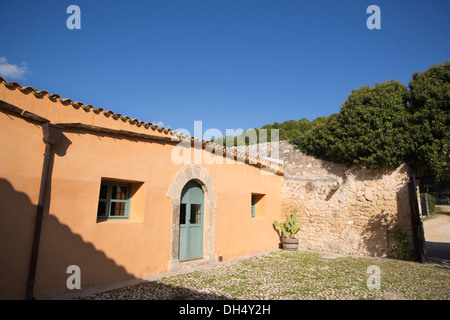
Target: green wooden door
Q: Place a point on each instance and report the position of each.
(191, 222)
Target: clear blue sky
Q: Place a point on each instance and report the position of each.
(230, 63)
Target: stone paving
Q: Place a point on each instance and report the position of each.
(301, 275)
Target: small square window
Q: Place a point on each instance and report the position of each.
(258, 205)
(114, 200)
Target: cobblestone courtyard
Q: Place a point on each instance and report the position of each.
(302, 275)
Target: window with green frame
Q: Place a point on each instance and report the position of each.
(258, 205)
(114, 200)
(253, 205)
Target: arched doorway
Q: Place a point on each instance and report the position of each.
(191, 222)
(199, 175)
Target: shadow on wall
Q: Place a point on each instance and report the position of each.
(378, 234)
(353, 209)
(359, 173)
(59, 249)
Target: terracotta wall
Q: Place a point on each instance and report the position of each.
(111, 250)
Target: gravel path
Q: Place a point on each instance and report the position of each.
(437, 236)
(284, 275)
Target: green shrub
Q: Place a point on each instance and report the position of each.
(399, 250)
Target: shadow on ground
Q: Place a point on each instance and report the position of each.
(438, 252)
(153, 290)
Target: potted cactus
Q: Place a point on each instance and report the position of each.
(288, 230)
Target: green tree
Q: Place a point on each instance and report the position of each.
(382, 126)
(429, 107)
(370, 130)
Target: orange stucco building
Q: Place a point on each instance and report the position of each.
(119, 198)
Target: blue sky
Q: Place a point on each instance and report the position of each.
(229, 63)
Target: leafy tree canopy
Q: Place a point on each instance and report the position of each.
(429, 108)
(370, 129)
(380, 126)
(389, 124)
(287, 130)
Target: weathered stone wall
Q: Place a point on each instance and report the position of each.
(343, 209)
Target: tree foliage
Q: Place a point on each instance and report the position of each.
(369, 130)
(380, 126)
(287, 130)
(429, 108)
(389, 124)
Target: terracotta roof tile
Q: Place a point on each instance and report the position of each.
(87, 107)
(78, 104)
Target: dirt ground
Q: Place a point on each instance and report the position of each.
(437, 236)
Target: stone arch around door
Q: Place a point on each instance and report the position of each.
(201, 175)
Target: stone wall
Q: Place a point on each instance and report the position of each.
(343, 209)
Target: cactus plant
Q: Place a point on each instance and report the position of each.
(290, 227)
